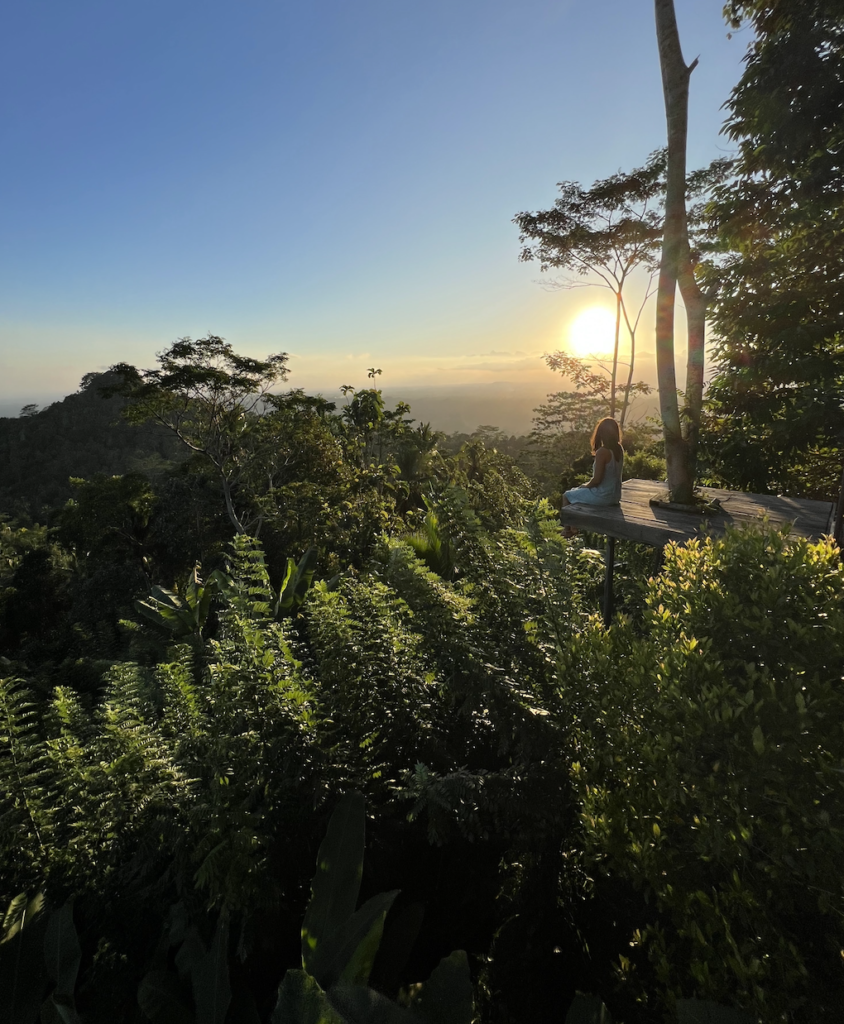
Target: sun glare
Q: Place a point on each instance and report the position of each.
(592, 332)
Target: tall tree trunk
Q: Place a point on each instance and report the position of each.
(675, 250)
(227, 495)
(695, 303)
(632, 332)
(615, 353)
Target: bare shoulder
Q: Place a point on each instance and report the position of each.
(603, 456)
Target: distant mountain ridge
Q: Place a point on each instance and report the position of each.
(80, 436)
(10, 408)
(84, 434)
(461, 408)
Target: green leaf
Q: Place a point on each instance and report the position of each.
(336, 884)
(758, 740)
(208, 971)
(203, 605)
(62, 952)
(288, 572)
(302, 1001)
(177, 925)
(164, 598)
(194, 589)
(211, 987)
(703, 1011)
(190, 954)
(199, 596)
(49, 1012)
(360, 1005)
(446, 997)
(296, 582)
(23, 976)
(347, 955)
(174, 620)
(65, 1009)
(588, 1010)
(160, 997)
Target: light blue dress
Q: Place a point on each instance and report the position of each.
(608, 491)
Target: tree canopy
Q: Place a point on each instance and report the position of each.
(211, 398)
(778, 282)
(608, 232)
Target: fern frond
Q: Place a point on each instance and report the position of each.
(25, 817)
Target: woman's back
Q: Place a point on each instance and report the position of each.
(609, 489)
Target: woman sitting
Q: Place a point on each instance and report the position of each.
(605, 486)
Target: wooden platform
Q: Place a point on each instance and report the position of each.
(634, 519)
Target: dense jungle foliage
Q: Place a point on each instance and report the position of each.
(776, 418)
(649, 813)
(244, 633)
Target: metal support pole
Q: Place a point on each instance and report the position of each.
(610, 563)
(659, 560)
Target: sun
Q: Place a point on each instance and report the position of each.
(592, 332)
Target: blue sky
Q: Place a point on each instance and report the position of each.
(332, 179)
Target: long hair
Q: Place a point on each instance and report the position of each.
(607, 434)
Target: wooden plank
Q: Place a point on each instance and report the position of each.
(636, 520)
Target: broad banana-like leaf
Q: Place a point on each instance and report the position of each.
(446, 997)
(62, 952)
(160, 998)
(177, 925)
(49, 1013)
(203, 604)
(297, 582)
(23, 976)
(165, 598)
(588, 1010)
(302, 1001)
(288, 572)
(65, 1009)
(168, 611)
(336, 884)
(174, 619)
(152, 612)
(347, 954)
(220, 580)
(216, 584)
(703, 1011)
(359, 1005)
(211, 987)
(190, 953)
(193, 591)
(208, 970)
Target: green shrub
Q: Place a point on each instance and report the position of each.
(710, 765)
(644, 465)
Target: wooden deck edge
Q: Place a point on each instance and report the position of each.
(635, 520)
